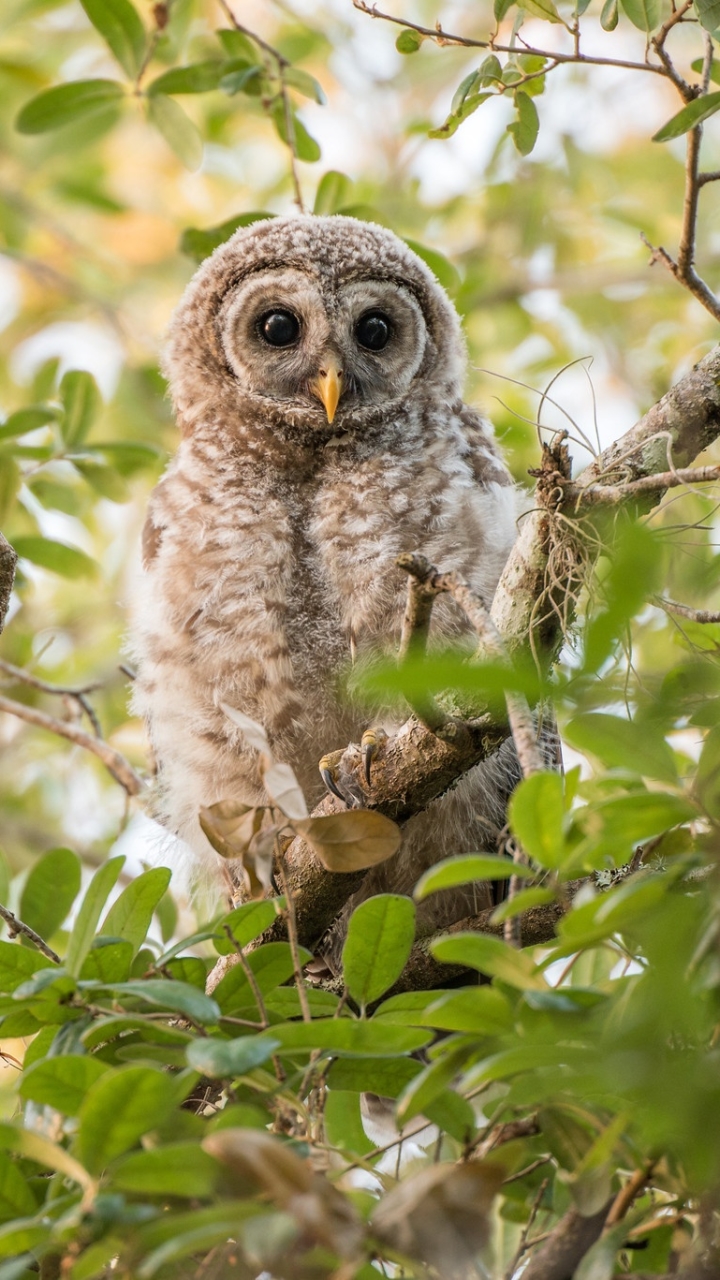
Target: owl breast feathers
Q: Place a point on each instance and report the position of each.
(315, 366)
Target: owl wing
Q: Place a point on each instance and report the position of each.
(481, 453)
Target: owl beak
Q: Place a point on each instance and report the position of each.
(328, 387)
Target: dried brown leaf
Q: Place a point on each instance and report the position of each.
(441, 1215)
(285, 791)
(230, 826)
(351, 841)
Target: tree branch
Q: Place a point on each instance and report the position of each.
(8, 561)
(16, 926)
(566, 1246)
(115, 763)
(613, 494)
(684, 611)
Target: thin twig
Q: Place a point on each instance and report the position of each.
(21, 676)
(16, 926)
(613, 494)
(523, 1244)
(293, 934)
(115, 764)
(251, 979)
(625, 1196)
(684, 610)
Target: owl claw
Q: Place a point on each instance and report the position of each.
(371, 744)
(327, 773)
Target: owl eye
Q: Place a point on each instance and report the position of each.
(279, 328)
(373, 330)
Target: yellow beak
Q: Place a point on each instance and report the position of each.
(328, 387)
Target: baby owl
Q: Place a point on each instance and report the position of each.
(316, 367)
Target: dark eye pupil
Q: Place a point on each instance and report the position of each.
(280, 328)
(373, 331)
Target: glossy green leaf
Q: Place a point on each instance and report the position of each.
(246, 923)
(524, 130)
(334, 191)
(198, 77)
(304, 146)
(343, 1123)
(17, 964)
(169, 994)
(228, 1058)
(345, 1036)
(67, 103)
(623, 744)
(83, 931)
(522, 901)
(305, 84)
(177, 1169)
(484, 1011)
(272, 965)
(62, 1082)
(107, 961)
(708, 12)
(380, 936)
(609, 15)
(16, 1197)
(50, 890)
(121, 28)
(58, 557)
(130, 915)
(490, 956)
(690, 116)
(385, 1076)
(25, 420)
(542, 9)
(464, 868)
(536, 815)
(178, 130)
(646, 15)
(118, 1109)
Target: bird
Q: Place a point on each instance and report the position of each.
(316, 368)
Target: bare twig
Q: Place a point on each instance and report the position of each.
(627, 1194)
(613, 494)
(115, 764)
(499, 1134)
(251, 979)
(523, 1244)
(20, 676)
(684, 611)
(16, 926)
(292, 933)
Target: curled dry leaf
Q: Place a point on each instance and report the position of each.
(351, 841)
(235, 831)
(284, 790)
(253, 732)
(321, 1211)
(441, 1215)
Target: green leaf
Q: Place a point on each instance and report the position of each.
(385, 1076)
(178, 130)
(523, 901)
(118, 1109)
(380, 936)
(107, 961)
(343, 1123)
(228, 1058)
(698, 64)
(536, 815)
(434, 1079)
(409, 41)
(130, 915)
(524, 130)
(103, 479)
(345, 1036)
(237, 45)
(272, 965)
(198, 77)
(16, 1198)
(626, 820)
(333, 193)
(304, 146)
(305, 84)
(62, 1082)
(168, 994)
(25, 420)
(58, 557)
(609, 15)
(485, 1011)
(490, 956)
(246, 923)
(469, 106)
(17, 964)
(708, 12)
(199, 244)
(178, 1169)
(96, 895)
(463, 868)
(693, 114)
(10, 481)
(245, 78)
(121, 29)
(542, 9)
(50, 890)
(623, 744)
(441, 267)
(66, 103)
(646, 15)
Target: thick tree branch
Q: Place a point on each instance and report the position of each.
(566, 1246)
(8, 560)
(594, 495)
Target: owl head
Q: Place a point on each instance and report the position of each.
(310, 326)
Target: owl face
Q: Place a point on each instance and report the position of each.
(295, 323)
(288, 338)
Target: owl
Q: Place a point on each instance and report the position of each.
(316, 369)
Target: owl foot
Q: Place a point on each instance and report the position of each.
(371, 746)
(341, 773)
(329, 773)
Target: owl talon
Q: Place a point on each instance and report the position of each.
(371, 744)
(327, 773)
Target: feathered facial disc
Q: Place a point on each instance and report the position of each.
(316, 321)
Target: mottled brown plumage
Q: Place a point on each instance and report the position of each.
(270, 543)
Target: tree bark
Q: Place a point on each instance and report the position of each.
(8, 560)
